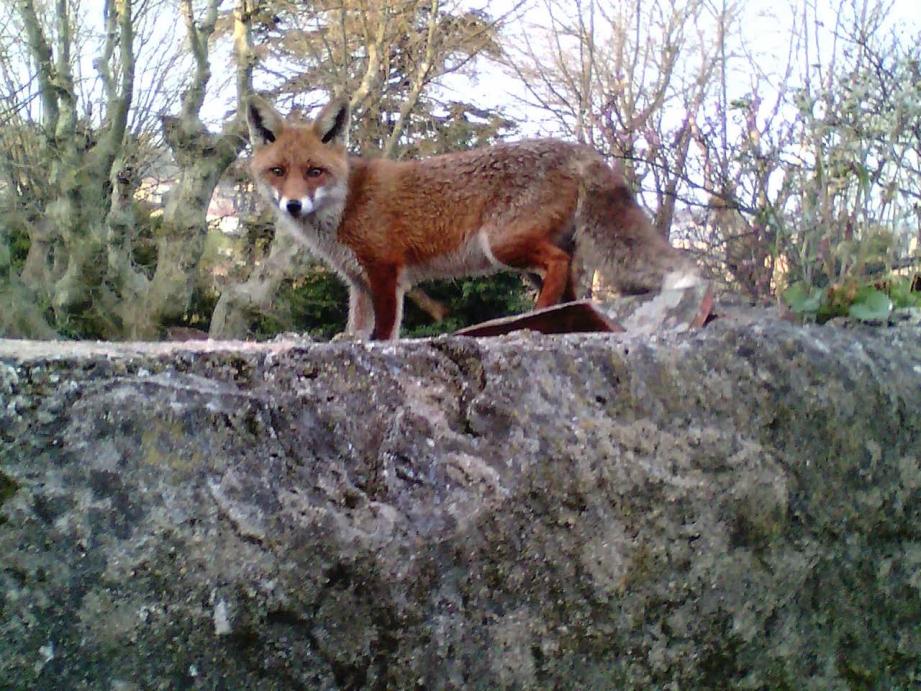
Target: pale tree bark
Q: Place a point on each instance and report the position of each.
(38, 262)
(82, 177)
(20, 316)
(21, 145)
(239, 305)
(84, 231)
(203, 157)
(44, 62)
(374, 30)
(418, 80)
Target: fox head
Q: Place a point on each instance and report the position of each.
(301, 168)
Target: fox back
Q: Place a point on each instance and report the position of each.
(542, 206)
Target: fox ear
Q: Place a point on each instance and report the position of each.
(265, 123)
(332, 124)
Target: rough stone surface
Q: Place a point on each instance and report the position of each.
(734, 507)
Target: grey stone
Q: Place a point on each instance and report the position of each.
(667, 310)
(738, 506)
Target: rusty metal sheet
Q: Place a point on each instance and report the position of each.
(580, 316)
(669, 310)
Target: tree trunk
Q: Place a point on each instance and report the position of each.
(20, 317)
(234, 312)
(203, 159)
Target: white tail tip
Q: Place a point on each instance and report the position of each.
(680, 280)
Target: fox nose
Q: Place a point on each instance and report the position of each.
(294, 207)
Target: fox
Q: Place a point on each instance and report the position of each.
(545, 207)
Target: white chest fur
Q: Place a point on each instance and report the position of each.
(319, 232)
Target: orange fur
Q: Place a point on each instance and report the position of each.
(384, 225)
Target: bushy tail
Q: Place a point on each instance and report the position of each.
(614, 236)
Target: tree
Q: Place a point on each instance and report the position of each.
(79, 155)
(95, 139)
(202, 158)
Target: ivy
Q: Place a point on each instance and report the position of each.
(869, 302)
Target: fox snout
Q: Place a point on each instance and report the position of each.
(293, 207)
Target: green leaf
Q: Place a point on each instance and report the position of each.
(902, 295)
(871, 305)
(804, 299)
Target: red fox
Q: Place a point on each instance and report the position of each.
(540, 206)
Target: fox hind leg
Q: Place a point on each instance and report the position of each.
(387, 299)
(551, 262)
(574, 288)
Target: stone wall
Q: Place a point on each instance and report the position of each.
(740, 506)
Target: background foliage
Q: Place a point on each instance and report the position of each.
(782, 146)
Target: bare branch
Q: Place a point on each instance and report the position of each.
(44, 60)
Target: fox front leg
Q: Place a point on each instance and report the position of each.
(361, 311)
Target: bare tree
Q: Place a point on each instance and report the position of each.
(610, 72)
(202, 158)
(80, 162)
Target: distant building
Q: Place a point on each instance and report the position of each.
(228, 203)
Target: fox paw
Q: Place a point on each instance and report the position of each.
(346, 336)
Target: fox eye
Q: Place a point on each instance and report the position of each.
(277, 171)
(314, 172)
